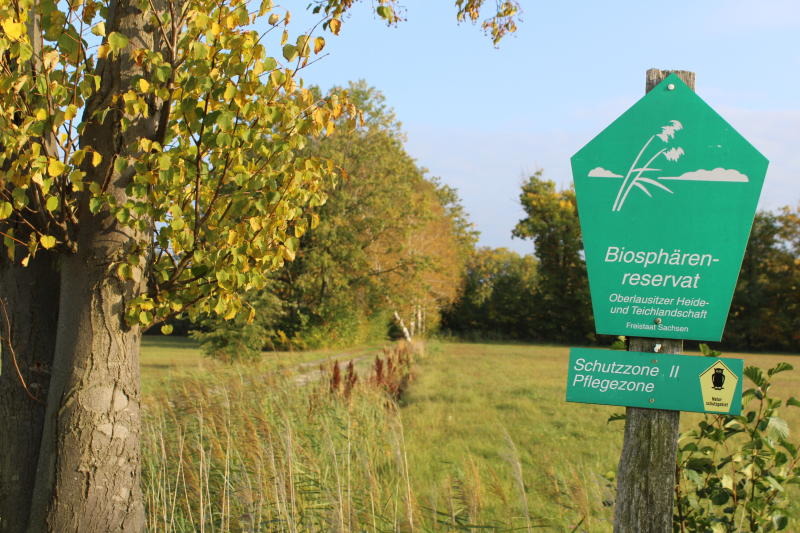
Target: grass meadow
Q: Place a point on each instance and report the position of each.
(482, 438)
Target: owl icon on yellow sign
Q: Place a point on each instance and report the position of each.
(717, 384)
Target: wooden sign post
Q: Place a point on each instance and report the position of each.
(646, 471)
(666, 196)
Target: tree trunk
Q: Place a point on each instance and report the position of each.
(403, 328)
(29, 299)
(88, 476)
(28, 318)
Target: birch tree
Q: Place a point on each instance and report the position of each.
(149, 166)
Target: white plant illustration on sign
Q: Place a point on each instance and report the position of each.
(635, 177)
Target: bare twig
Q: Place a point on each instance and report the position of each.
(28, 392)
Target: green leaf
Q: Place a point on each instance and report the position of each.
(720, 497)
(290, 52)
(774, 483)
(120, 164)
(52, 203)
(166, 329)
(706, 350)
(117, 41)
(25, 51)
(793, 402)
(270, 63)
(755, 375)
(780, 367)
(615, 417)
(95, 204)
(5, 210)
(20, 197)
(780, 521)
(384, 12)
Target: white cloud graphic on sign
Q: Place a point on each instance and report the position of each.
(600, 172)
(718, 174)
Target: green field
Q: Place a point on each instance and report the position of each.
(167, 357)
(483, 437)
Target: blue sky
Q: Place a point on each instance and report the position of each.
(484, 118)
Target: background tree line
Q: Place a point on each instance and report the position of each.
(393, 248)
(546, 298)
(387, 250)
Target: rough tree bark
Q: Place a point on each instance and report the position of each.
(88, 477)
(28, 318)
(29, 300)
(646, 473)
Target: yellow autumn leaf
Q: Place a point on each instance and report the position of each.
(103, 50)
(50, 60)
(144, 85)
(47, 241)
(230, 91)
(99, 29)
(13, 30)
(70, 112)
(335, 25)
(40, 114)
(319, 44)
(96, 158)
(55, 167)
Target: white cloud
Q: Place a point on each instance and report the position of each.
(600, 172)
(718, 174)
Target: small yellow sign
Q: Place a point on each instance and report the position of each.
(718, 384)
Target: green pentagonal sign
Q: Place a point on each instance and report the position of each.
(666, 197)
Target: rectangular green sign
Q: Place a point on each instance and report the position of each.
(655, 381)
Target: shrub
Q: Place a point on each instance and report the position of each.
(734, 471)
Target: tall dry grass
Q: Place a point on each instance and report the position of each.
(241, 450)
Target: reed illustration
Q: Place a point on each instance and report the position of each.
(636, 177)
